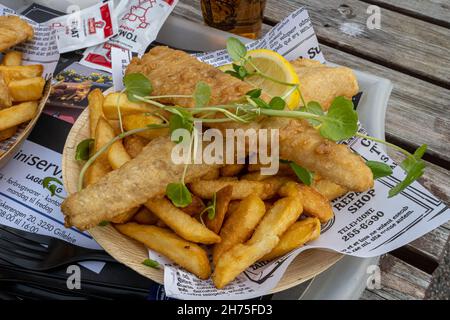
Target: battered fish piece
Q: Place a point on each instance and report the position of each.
(321, 83)
(302, 144)
(176, 72)
(13, 30)
(138, 180)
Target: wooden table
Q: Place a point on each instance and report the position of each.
(412, 50)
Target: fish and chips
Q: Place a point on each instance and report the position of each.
(242, 215)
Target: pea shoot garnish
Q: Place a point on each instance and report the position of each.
(210, 209)
(151, 263)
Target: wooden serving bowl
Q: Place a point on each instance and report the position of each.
(131, 253)
(13, 144)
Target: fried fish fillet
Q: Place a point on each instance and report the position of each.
(147, 175)
(13, 30)
(321, 83)
(176, 72)
(131, 185)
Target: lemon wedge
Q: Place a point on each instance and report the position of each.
(274, 66)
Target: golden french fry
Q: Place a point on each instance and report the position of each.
(180, 222)
(117, 155)
(266, 236)
(239, 225)
(12, 58)
(232, 206)
(95, 105)
(12, 116)
(265, 189)
(140, 120)
(187, 254)
(127, 107)
(7, 133)
(26, 89)
(314, 204)
(11, 73)
(212, 174)
(145, 216)
(231, 170)
(195, 207)
(103, 134)
(134, 144)
(295, 236)
(223, 198)
(329, 189)
(125, 216)
(5, 97)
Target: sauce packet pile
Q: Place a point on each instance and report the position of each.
(139, 22)
(85, 28)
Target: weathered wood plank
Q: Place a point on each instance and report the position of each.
(439, 287)
(434, 11)
(417, 110)
(412, 46)
(370, 295)
(400, 280)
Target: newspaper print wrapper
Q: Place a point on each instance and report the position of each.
(139, 24)
(42, 49)
(365, 224)
(85, 28)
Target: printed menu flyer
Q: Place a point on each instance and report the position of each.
(24, 203)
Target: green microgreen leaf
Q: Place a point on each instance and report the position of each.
(260, 103)
(202, 94)
(277, 103)
(412, 159)
(235, 67)
(236, 49)
(341, 120)
(234, 74)
(180, 119)
(212, 207)
(415, 172)
(303, 174)
(179, 194)
(379, 169)
(83, 150)
(136, 84)
(315, 108)
(151, 263)
(103, 223)
(254, 93)
(242, 72)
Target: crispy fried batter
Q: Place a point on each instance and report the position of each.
(13, 30)
(322, 83)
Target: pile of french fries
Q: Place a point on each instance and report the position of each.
(21, 88)
(257, 217)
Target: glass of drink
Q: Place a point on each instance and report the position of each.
(241, 17)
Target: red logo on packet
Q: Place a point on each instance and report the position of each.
(139, 12)
(106, 16)
(94, 25)
(91, 25)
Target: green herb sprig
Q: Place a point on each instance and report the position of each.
(210, 209)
